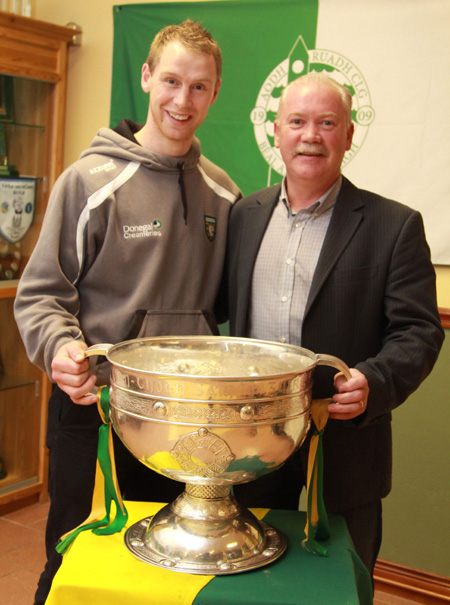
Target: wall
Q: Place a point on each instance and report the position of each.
(417, 511)
(413, 536)
(443, 286)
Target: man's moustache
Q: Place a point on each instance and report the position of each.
(311, 150)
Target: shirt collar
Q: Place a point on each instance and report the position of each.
(324, 203)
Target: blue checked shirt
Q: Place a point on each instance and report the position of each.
(285, 267)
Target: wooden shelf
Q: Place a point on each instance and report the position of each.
(8, 382)
(8, 288)
(13, 482)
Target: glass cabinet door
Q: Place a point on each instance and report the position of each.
(25, 107)
(23, 169)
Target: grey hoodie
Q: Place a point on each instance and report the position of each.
(132, 244)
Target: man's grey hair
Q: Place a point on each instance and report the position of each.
(324, 79)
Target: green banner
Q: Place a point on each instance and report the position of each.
(264, 45)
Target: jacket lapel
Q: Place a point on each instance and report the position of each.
(345, 220)
(256, 218)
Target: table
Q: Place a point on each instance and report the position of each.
(100, 569)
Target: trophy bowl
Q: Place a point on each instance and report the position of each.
(211, 412)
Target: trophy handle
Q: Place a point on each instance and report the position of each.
(100, 349)
(334, 362)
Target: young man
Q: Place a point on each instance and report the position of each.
(319, 263)
(132, 245)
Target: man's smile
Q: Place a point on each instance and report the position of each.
(179, 117)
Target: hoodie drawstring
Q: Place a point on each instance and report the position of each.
(180, 167)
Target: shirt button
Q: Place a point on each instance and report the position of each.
(298, 225)
(289, 261)
(283, 298)
(282, 339)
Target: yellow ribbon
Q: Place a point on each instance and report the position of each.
(316, 527)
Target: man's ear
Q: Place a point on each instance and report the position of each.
(350, 132)
(216, 91)
(146, 78)
(275, 134)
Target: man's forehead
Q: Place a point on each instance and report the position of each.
(318, 89)
(320, 98)
(175, 53)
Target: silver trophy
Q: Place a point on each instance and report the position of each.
(211, 412)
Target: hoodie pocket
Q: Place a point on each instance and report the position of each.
(162, 323)
(176, 322)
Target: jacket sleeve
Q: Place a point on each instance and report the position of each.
(412, 335)
(47, 302)
(221, 304)
(221, 309)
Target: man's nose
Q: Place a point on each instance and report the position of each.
(311, 132)
(183, 96)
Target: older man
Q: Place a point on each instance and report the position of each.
(319, 263)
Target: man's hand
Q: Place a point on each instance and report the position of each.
(70, 371)
(351, 398)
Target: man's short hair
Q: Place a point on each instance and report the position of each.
(192, 35)
(321, 78)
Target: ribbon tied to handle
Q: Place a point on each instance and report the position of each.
(317, 527)
(106, 488)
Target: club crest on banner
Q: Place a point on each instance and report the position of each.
(17, 197)
(301, 61)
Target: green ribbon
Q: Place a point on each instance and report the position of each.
(106, 464)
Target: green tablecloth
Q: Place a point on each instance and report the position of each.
(298, 577)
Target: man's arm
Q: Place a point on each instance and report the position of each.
(413, 335)
(47, 302)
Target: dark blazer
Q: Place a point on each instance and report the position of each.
(373, 304)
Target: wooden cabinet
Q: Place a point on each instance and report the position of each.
(33, 73)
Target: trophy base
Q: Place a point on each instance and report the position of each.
(207, 536)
